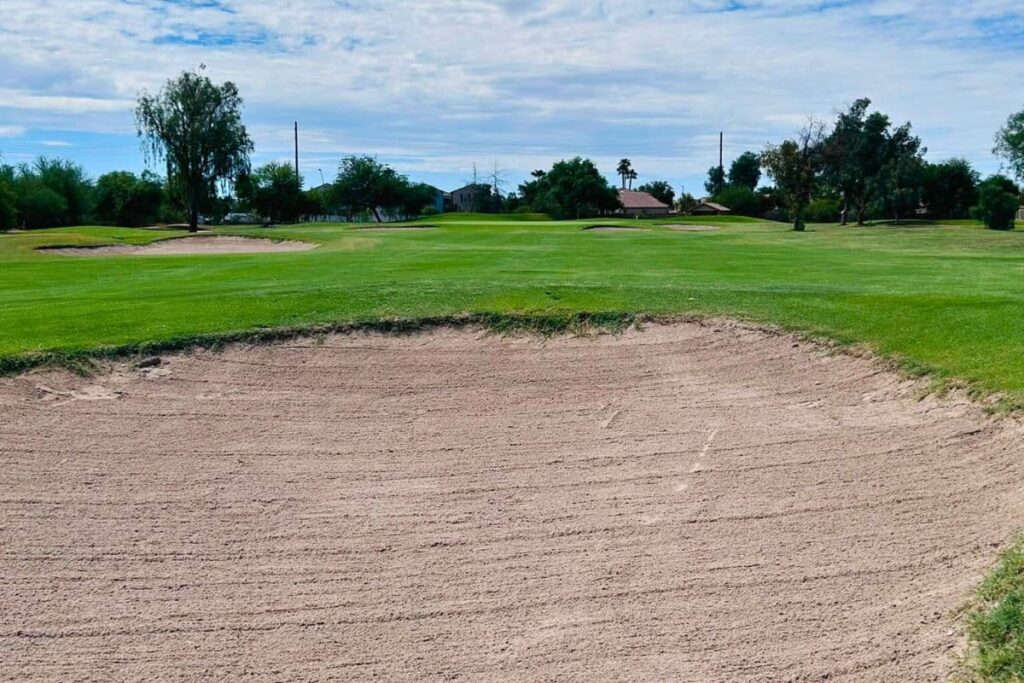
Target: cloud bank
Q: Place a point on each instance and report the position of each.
(433, 87)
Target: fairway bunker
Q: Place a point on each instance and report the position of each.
(682, 227)
(612, 228)
(211, 244)
(688, 502)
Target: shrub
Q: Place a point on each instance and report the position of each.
(823, 210)
(741, 200)
(429, 211)
(41, 207)
(998, 203)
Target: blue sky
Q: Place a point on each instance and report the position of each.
(433, 87)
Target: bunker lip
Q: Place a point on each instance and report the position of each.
(705, 501)
(205, 244)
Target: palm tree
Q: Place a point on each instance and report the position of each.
(624, 169)
(632, 176)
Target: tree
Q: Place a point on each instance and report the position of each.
(998, 201)
(8, 212)
(122, 198)
(573, 188)
(660, 190)
(950, 188)
(796, 166)
(896, 185)
(274, 190)
(419, 197)
(1010, 144)
(365, 184)
(686, 200)
(196, 127)
(716, 180)
(741, 200)
(625, 171)
(68, 180)
(745, 171)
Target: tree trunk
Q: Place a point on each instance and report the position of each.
(798, 220)
(193, 213)
(844, 215)
(376, 214)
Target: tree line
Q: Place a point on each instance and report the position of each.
(857, 168)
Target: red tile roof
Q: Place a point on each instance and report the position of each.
(639, 200)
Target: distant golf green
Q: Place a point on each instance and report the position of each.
(949, 298)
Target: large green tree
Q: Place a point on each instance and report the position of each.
(998, 200)
(195, 126)
(8, 212)
(365, 184)
(274, 191)
(896, 187)
(716, 180)
(745, 171)
(1010, 144)
(122, 198)
(950, 188)
(625, 171)
(796, 166)
(573, 188)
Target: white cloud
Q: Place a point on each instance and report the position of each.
(441, 83)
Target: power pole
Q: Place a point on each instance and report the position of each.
(296, 149)
(721, 152)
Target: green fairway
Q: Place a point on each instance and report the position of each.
(947, 298)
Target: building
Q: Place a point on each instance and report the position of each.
(641, 204)
(708, 208)
(471, 197)
(1020, 213)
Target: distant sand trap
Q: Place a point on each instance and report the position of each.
(613, 228)
(219, 244)
(684, 503)
(682, 227)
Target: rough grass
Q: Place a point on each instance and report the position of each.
(995, 624)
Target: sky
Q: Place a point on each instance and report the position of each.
(433, 87)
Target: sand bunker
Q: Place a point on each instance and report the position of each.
(213, 244)
(683, 503)
(612, 228)
(682, 227)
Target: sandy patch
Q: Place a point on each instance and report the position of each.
(214, 244)
(612, 228)
(683, 227)
(685, 503)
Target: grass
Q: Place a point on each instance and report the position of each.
(995, 628)
(945, 300)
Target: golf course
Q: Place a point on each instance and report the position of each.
(941, 299)
(709, 414)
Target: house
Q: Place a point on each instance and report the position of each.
(641, 204)
(1020, 213)
(470, 197)
(709, 208)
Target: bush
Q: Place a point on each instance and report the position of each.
(998, 203)
(741, 200)
(429, 211)
(41, 207)
(823, 210)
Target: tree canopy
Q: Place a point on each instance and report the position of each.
(365, 184)
(998, 201)
(573, 188)
(716, 180)
(196, 127)
(796, 166)
(274, 191)
(1010, 144)
(123, 198)
(745, 171)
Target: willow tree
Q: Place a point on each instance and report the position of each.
(195, 126)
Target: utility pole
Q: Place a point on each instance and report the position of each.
(296, 149)
(721, 152)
